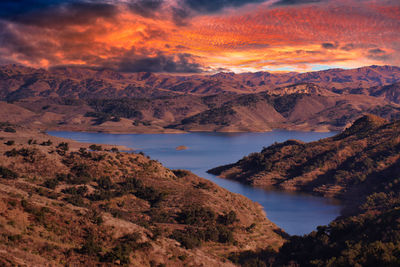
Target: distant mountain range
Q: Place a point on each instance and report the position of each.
(17, 82)
(104, 100)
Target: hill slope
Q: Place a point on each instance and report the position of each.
(73, 204)
(103, 100)
(345, 165)
(361, 164)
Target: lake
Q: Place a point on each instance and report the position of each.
(297, 214)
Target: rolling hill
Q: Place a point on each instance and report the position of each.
(65, 203)
(360, 165)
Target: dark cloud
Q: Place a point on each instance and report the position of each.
(180, 63)
(348, 47)
(296, 2)
(10, 10)
(329, 45)
(146, 8)
(309, 52)
(12, 41)
(210, 6)
(180, 15)
(59, 13)
(378, 54)
(376, 51)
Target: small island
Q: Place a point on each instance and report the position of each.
(178, 148)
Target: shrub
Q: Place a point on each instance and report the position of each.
(76, 195)
(11, 153)
(150, 194)
(75, 200)
(225, 235)
(7, 173)
(10, 142)
(90, 247)
(80, 190)
(62, 148)
(196, 216)
(95, 147)
(101, 194)
(120, 252)
(10, 130)
(51, 183)
(188, 238)
(181, 173)
(46, 143)
(82, 175)
(227, 219)
(105, 183)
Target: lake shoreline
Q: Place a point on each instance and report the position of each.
(295, 212)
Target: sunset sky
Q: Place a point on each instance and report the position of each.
(196, 36)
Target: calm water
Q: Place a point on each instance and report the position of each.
(295, 213)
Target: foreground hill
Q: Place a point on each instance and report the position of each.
(346, 165)
(73, 204)
(362, 165)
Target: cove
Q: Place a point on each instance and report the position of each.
(297, 214)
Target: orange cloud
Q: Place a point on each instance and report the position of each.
(257, 37)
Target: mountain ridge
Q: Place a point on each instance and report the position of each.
(56, 80)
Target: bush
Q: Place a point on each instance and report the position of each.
(75, 200)
(96, 147)
(62, 148)
(225, 235)
(90, 247)
(10, 130)
(196, 216)
(181, 173)
(82, 175)
(120, 252)
(7, 173)
(150, 194)
(10, 142)
(188, 238)
(105, 183)
(227, 219)
(80, 190)
(51, 183)
(46, 143)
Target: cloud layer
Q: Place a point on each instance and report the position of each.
(185, 36)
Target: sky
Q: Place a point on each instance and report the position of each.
(200, 36)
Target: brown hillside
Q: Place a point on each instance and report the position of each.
(75, 204)
(344, 165)
(17, 82)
